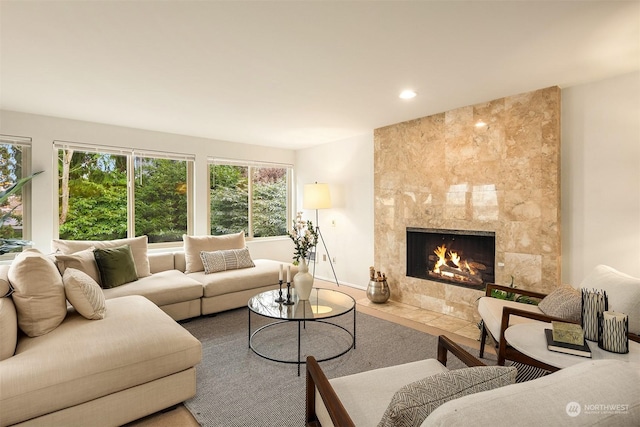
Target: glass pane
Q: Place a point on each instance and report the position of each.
(93, 195)
(11, 208)
(229, 199)
(160, 199)
(269, 202)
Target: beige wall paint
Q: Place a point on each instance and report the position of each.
(347, 166)
(601, 176)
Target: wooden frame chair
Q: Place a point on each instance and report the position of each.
(316, 380)
(505, 352)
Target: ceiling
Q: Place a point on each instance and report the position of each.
(294, 74)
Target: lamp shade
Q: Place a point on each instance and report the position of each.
(316, 196)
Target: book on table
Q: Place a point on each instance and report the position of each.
(563, 347)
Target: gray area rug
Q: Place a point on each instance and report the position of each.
(236, 387)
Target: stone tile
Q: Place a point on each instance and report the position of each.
(448, 323)
(469, 331)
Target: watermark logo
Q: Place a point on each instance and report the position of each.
(573, 409)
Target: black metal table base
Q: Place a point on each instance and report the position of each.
(302, 324)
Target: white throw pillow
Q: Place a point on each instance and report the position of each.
(84, 294)
(193, 245)
(39, 293)
(623, 292)
(138, 249)
(231, 259)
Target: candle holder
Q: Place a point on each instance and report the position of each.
(613, 332)
(593, 304)
(280, 299)
(288, 301)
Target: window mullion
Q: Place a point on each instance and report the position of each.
(131, 198)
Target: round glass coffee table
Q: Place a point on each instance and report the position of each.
(323, 306)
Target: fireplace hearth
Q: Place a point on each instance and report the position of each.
(457, 257)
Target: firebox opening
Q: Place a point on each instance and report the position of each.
(457, 257)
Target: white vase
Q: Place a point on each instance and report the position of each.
(303, 280)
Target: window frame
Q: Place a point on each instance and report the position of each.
(212, 161)
(131, 154)
(26, 143)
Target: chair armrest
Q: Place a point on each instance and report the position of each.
(445, 344)
(492, 286)
(511, 311)
(316, 379)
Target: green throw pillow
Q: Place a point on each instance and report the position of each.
(116, 266)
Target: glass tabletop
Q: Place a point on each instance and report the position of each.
(322, 304)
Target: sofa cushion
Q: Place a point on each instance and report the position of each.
(490, 310)
(231, 259)
(39, 293)
(163, 288)
(264, 273)
(623, 292)
(84, 261)
(564, 302)
(413, 403)
(547, 401)
(193, 245)
(82, 360)
(8, 328)
(138, 249)
(116, 266)
(369, 411)
(84, 294)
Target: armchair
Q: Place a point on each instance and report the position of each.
(331, 409)
(497, 315)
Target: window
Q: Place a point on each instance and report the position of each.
(15, 163)
(109, 193)
(249, 197)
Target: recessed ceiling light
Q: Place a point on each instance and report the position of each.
(480, 124)
(408, 94)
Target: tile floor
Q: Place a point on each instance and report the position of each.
(430, 318)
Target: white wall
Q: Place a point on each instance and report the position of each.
(601, 177)
(347, 228)
(44, 130)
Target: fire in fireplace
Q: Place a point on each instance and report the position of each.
(462, 258)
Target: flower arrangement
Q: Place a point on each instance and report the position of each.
(304, 236)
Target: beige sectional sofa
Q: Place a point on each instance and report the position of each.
(127, 357)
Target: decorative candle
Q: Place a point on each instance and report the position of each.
(280, 275)
(288, 274)
(613, 332)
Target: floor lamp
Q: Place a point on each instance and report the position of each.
(316, 196)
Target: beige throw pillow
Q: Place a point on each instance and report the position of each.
(231, 259)
(193, 245)
(138, 249)
(564, 302)
(8, 328)
(84, 294)
(413, 403)
(83, 261)
(39, 293)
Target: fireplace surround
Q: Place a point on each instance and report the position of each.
(493, 167)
